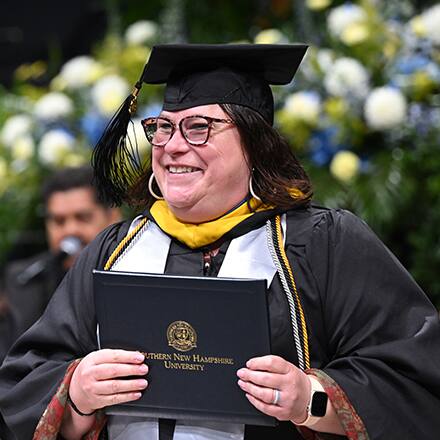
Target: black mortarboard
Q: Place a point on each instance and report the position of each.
(198, 74)
(194, 74)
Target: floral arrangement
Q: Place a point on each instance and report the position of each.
(363, 114)
(60, 123)
(378, 77)
(43, 128)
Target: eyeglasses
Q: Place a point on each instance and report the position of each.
(195, 129)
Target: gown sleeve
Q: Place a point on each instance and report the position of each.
(382, 334)
(38, 361)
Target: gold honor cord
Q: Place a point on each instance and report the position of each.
(279, 236)
(285, 274)
(122, 246)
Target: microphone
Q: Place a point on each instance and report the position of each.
(69, 246)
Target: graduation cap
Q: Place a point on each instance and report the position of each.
(194, 74)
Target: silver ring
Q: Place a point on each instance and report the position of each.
(276, 397)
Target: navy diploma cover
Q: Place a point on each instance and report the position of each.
(195, 334)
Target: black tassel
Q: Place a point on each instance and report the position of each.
(115, 159)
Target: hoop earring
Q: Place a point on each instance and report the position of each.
(150, 188)
(251, 190)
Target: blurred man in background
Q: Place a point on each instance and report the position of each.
(73, 217)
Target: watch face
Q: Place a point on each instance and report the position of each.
(319, 404)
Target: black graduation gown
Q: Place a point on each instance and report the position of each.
(370, 327)
(28, 301)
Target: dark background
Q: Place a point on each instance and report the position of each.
(56, 31)
(47, 29)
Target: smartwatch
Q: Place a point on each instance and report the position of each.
(317, 406)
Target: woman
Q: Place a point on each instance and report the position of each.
(338, 300)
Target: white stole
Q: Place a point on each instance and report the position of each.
(248, 256)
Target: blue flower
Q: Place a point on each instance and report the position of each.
(365, 165)
(150, 110)
(423, 119)
(93, 125)
(323, 146)
(409, 64)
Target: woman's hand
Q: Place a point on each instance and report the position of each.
(264, 375)
(97, 381)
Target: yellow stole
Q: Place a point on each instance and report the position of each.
(203, 234)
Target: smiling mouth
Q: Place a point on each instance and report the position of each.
(182, 170)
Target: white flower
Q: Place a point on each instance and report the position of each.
(80, 71)
(385, 108)
(345, 165)
(109, 93)
(270, 36)
(15, 127)
(54, 146)
(141, 32)
(304, 106)
(53, 106)
(23, 148)
(347, 77)
(340, 18)
(325, 58)
(431, 23)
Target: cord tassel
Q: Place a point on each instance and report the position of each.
(116, 158)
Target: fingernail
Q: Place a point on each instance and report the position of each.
(142, 383)
(240, 372)
(143, 369)
(240, 383)
(139, 357)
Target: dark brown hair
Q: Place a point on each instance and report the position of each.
(276, 170)
(276, 173)
(66, 179)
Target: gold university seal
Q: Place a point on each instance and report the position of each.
(181, 336)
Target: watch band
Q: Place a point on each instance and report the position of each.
(316, 408)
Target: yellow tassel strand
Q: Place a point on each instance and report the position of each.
(300, 309)
(123, 243)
